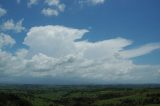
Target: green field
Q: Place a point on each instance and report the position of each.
(47, 95)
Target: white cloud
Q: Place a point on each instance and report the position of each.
(50, 12)
(104, 49)
(95, 2)
(53, 8)
(11, 65)
(22, 53)
(14, 26)
(92, 2)
(54, 53)
(54, 35)
(6, 40)
(2, 12)
(52, 2)
(32, 2)
(6, 59)
(61, 7)
(145, 49)
(59, 55)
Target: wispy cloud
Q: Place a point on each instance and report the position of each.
(140, 51)
(18, 1)
(92, 2)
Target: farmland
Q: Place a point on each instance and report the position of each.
(79, 95)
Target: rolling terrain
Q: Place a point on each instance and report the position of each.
(98, 95)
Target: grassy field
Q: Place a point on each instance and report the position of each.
(47, 95)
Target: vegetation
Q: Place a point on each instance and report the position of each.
(47, 95)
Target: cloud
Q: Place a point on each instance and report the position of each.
(59, 55)
(52, 2)
(50, 12)
(53, 8)
(140, 51)
(55, 54)
(54, 35)
(32, 2)
(6, 65)
(92, 2)
(95, 2)
(11, 65)
(14, 26)
(18, 1)
(2, 12)
(61, 7)
(56, 4)
(6, 40)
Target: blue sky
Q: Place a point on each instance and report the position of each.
(134, 24)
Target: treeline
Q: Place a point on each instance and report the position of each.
(80, 97)
(112, 98)
(9, 99)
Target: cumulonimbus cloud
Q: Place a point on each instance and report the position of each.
(55, 53)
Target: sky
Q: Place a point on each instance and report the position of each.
(80, 41)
